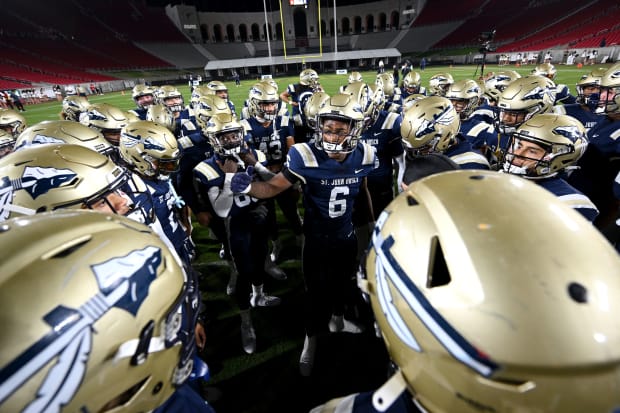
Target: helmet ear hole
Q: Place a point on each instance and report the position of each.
(439, 273)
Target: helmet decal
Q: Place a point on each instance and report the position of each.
(123, 283)
(148, 142)
(571, 132)
(446, 117)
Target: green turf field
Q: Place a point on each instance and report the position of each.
(268, 381)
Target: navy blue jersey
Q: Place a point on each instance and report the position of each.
(605, 136)
(185, 400)
(484, 113)
(478, 132)
(329, 186)
(588, 118)
(270, 140)
(299, 93)
(166, 211)
(465, 156)
(570, 196)
(384, 136)
(139, 112)
(195, 148)
(209, 174)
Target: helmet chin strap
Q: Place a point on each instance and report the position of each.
(385, 395)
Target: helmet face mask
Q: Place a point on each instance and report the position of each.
(544, 146)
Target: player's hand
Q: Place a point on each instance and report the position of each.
(229, 165)
(241, 182)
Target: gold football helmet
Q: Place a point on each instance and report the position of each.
(410, 100)
(101, 316)
(439, 83)
(309, 77)
(560, 140)
(48, 177)
(206, 107)
(345, 108)
(495, 84)
(58, 132)
(312, 106)
(492, 295)
(545, 69)
(430, 125)
(355, 77)
(107, 119)
(263, 101)
(522, 99)
(363, 94)
(219, 89)
(150, 149)
(378, 97)
(159, 113)
(412, 82)
(610, 91)
(198, 92)
(170, 96)
(465, 96)
(590, 84)
(73, 106)
(139, 91)
(225, 134)
(12, 121)
(7, 143)
(386, 82)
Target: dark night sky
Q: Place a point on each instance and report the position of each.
(243, 5)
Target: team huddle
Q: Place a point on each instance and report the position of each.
(363, 162)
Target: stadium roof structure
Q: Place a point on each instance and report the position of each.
(281, 60)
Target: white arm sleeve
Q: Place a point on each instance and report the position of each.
(222, 199)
